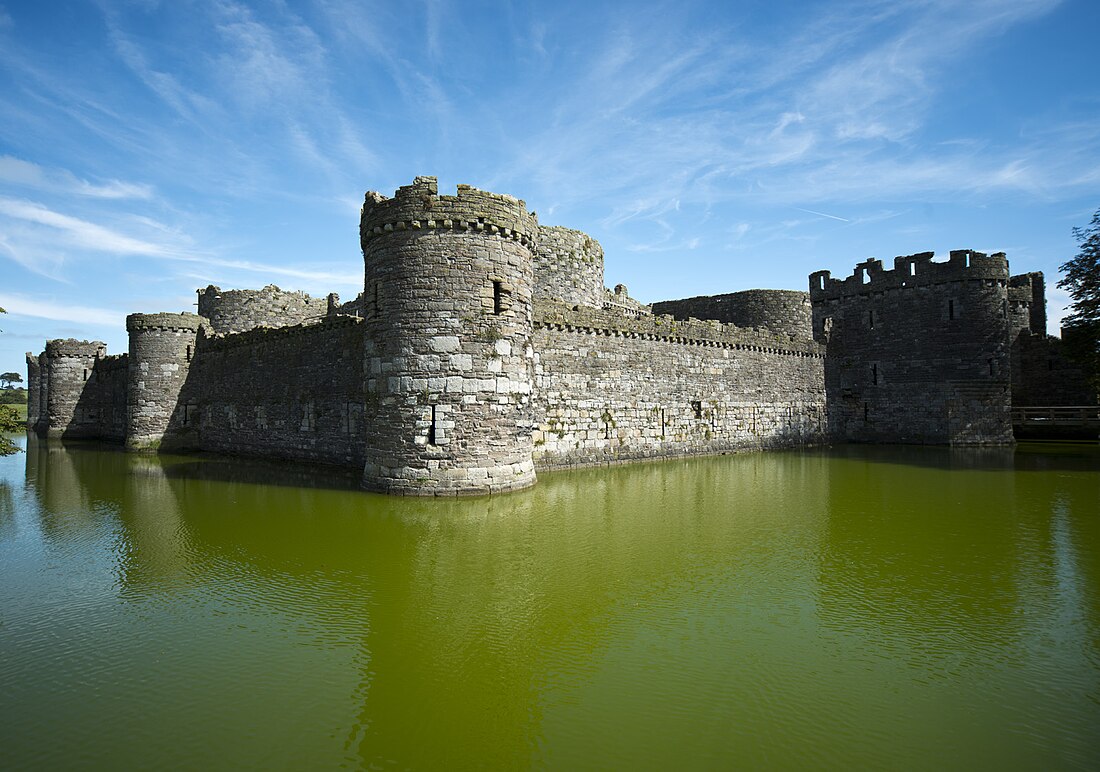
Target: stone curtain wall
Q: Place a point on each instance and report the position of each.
(1042, 376)
(917, 354)
(103, 403)
(448, 285)
(611, 388)
(240, 310)
(292, 393)
(783, 311)
(568, 267)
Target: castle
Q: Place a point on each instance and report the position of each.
(484, 347)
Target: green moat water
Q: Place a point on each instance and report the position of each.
(886, 608)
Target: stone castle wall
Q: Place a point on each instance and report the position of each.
(293, 393)
(240, 310)
(917, 354)
(1042, 376)
(448, 290)
(568, 268)
(782, 311)
(484, 346)
(612, 388)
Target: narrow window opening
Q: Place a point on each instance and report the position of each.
(950, 309)
(377, 299)
(866, 276)
(912, 269)
(85, 373)
(874, 375)
(991, 366)
(821, 282)
(188, 353)
(498, 306)
(662, 423)
(866, 412)
(871, 318)
(966, 260)
(1004, 309)
(697, 409)
(431, 428)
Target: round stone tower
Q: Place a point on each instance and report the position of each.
(161, 349)
(71, 364)
(447, 308)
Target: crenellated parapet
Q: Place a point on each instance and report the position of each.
(910, 271)
(420, 207)
(165, 322)
(70, 348)
(665, 328)
(259, 335)
(240, 310)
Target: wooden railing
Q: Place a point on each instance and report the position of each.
(1083, 415)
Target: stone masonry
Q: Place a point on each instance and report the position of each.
(485, 346)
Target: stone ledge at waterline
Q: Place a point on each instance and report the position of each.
(484, 346)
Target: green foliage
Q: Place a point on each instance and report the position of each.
(9, 378)
(10, 422)
(1081, 338)
(13, 396)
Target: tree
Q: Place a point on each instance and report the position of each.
(9, 422)
(10, 378)
(1081, 328)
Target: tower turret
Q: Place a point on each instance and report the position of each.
(447, 304)
(70, 366)
(161, 349)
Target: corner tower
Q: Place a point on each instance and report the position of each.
(161, 349)
(917, 354)
(447, 309)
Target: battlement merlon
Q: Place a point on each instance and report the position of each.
(419, 206)
(910, 271)
(80, 349)
(164, 321)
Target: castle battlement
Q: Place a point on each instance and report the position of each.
(665, 328)
(256, 335)
(910, 271)
(81, 349)
(485, 346)
(164, 321)
(240, 310)
(420, 207)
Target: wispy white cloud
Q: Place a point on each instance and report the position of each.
(19, 172)
(81, 233)
(48, 308)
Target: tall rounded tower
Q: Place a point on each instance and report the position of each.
(447, 307)
(161, 349)
(70, 366)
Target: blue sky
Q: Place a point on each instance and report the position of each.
(150, 148)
